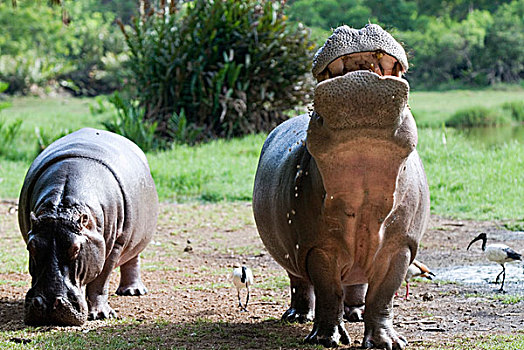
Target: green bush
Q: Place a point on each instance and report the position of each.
(3, 104)
(515, 109)
(38, 52)
(8, 134)
(129, 122)
(478, 116)
(44, 138)
(232, 67)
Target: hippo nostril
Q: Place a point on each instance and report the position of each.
(38, 303)
(58, 302)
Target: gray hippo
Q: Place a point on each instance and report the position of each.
(88, 205)
(340, 197)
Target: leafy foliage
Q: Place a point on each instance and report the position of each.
(129, 122)
(45, 138)
(515, 109)
(478, 116)
(232, 67)
(331, 13)
(37, 50)
(503, 57)
(450, 44)
(8, 134)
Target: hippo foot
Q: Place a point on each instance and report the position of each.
(135, 289)
(292, 315)
(384, 338)
(354, 313)
(328, 338)
(101, 313)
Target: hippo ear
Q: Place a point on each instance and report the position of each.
(83, 221)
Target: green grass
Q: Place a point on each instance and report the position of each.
(219, 170)
(471, 180)
(490, 342)
(50, 115)
(434, 108)
(503, 298)
(131, 334)
(467, 179)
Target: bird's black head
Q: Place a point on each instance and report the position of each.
(482, 237)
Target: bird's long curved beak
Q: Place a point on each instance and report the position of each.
(478, 238)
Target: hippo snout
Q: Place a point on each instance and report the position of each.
(65, 310)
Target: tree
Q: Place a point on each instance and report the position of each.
(502, 59)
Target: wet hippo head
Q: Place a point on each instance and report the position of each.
(63, 257)
(360, 105)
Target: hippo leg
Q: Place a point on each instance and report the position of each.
(97, 291)
(387, 275)
(302, 301)
(354, 299)
(324, 273)
(130, 282)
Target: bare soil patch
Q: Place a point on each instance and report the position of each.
(191, 303)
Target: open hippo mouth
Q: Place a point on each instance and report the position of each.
(359, 80)
(377, 61)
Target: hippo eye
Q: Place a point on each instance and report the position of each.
(74, 250)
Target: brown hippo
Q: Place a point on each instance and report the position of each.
(340, 197)
(88, 205)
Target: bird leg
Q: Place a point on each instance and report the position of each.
(407, 291)
(503, 278)
(247, 298)
(243, 308)
(498, 276)
(239, 301)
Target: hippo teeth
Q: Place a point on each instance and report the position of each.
(376, 61)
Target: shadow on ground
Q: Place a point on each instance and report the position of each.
(200, 334)
(11, 314)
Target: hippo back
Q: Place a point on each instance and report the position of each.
(120, 156)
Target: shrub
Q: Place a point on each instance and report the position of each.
(3, 104)
(37, 50)
(8, 134)
(44, 138)
(129, 122)
(515, 109)
(232, 67)
(478, 116)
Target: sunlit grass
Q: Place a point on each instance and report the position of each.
(470, 180)
(467, 179)
(432, 108)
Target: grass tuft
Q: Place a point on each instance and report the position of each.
(478, 116)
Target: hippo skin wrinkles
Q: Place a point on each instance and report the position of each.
(88, 205)
(341, 199)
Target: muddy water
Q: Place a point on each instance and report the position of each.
(483, 276)
(495, 135)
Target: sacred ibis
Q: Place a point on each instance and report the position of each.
(242, 278)
(499, 253)
(417, 269)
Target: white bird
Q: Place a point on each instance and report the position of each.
(499, 253)
(242, 278)
(417, 269)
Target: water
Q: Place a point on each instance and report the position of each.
(495, 135)
(483, 275)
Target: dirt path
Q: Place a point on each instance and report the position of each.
(191, 303)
